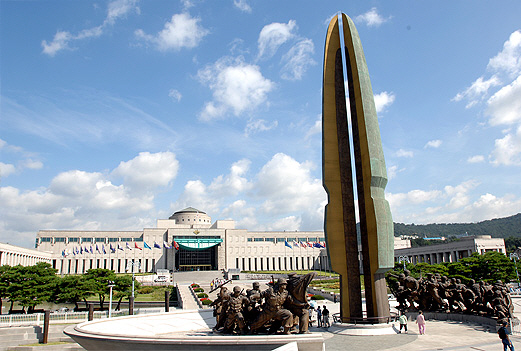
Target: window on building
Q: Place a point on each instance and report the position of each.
(126, 239)
(138, 239)
(100, 240)
(113, 240)
(86, 240)
(258, 239)
(59, 240)
(250, 239)
(46, 240)
(270, 239)
(74, 240)
(281, 240)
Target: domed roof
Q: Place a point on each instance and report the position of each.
(187, 210)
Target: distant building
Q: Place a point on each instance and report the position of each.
(14, 255)
(453, 251)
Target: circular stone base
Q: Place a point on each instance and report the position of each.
(180, 330)
(363, 329)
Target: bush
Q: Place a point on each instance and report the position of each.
(194, 285)
(146, 290)
(198, 290)
(202, 295)
(317, 297)
(206, 302)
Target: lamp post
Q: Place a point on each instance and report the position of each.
(132, 264)
(403, 259)
(514, 256)
(111, 285)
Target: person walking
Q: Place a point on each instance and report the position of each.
(319, 317)
(420, 320)
(325, 317)
(403, 323)
(503, 335)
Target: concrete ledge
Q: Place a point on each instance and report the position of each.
(185, 330)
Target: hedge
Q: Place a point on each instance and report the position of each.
(317, 297)
(200, 295)
(198, 290)
(206, 302)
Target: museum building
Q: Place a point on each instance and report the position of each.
(188, 240)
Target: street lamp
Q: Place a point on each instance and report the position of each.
(111, 285)
(514, 256)
(403, 259)
(132, 264)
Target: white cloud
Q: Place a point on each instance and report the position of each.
(290, 223)
(383, 100)
(6, 169)
(31, 164)
(233, 183)
(476, 159)
(259, 125)
(504, 107)
(183, 31)
(298, 59)
(433, 143)
(477, 90)
(175, 94)
(393, 171)
(242, 5)
(509, 59)
(288, 185)
(148, 171)
(507, 150)
(273, 35)
(404, 153)
(236, 86)
(115, 10)
(371, 18)
(316, 128)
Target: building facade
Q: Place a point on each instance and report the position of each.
(186, 241)
(451, 252)
(14, 255)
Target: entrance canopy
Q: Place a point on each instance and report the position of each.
(193, 244)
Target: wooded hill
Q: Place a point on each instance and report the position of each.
(498, 228)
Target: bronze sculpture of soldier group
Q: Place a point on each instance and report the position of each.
(438, 293)
(283, 304)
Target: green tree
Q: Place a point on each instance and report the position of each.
(4, 283)
(72, 288)
(123, 288)
(97, 281)
(32, 285)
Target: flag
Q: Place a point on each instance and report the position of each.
(120, 247)
(91, 251)
(157, 245)
(63, 253)
(309, 244)
(323, 243)
(128, 247)
(317, 245)
(74, 251)
(176, 245)
(303, 244)
(146, 245)
(137, 247)
(287, 244)
(97, 248)
(81, 250)
(112, 249)
(103, 249)
(166, 245)
(295, 243)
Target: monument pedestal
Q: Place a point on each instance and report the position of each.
(180, 330)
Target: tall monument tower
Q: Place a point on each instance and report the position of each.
(340, 154)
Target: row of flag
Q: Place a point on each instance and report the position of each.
(306, 244)
(101, 248)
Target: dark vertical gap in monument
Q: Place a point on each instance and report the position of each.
(366, 259)
(346, 183)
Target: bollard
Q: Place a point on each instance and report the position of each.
(167, 301)
(46, 318)
(91, 312)
(131, 306)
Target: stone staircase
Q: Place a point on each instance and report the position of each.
(188, 300)
(13, 338)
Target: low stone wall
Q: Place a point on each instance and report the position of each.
(194, 294)
(327, 295)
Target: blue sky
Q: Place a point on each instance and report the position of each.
(116, 113)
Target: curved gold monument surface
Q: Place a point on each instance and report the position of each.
(376, 225)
